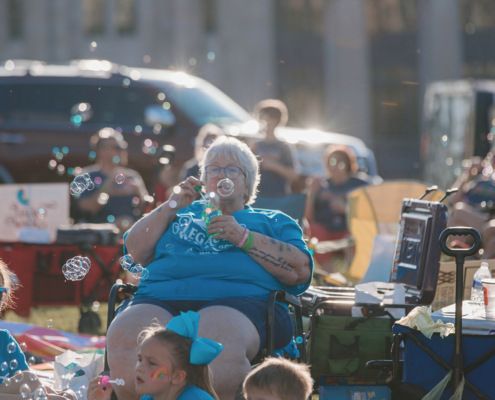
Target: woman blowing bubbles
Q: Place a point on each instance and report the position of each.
(226, 278)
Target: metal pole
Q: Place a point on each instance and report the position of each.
(457, 358)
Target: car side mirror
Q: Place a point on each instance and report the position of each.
(156, 114)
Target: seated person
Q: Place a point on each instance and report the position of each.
(13, 360)
(119, 192)
(166, 176)
(278, 379)
(226, 278)
(326, 207)
(172, 363)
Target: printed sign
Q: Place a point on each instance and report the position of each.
(40, 205)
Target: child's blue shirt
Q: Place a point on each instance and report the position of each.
(5, 356)
(189, 393)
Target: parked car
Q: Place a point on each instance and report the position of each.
(49, 112)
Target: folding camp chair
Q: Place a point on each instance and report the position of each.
(292, 205)
(372, 211)
(277, 295)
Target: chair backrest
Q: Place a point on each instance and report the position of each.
(292, 205)
(376, 210)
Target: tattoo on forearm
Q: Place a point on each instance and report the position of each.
(263, 240)
(276, 262)
(273, 241)
(288, 247)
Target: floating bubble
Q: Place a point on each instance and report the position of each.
(76, 268)
(126, 261)
(4, 366)
(39, 394)
(136, 270)
(91, 185)
(49, 323)
(25, 391)
(225, 187)
(33, 377)
(87, 177)
(31, 361)
(120, 179)
(18, 377)
(7, 382)
(79, 395)
(13, 364)
(81, 182)
(11, 347)
(170, 248)
(145, 274)
(23, 346)
(74, 189)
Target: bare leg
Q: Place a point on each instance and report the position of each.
(122, 343)
(241, 343)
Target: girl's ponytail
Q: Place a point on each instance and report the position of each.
(200, 376)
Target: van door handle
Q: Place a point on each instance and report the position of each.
(12, 138)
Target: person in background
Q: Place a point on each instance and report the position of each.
(327, 199)
(278, 379)
(277, 158)
(206, 136)
(119, 193)
(166, 176)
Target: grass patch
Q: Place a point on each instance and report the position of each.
(65, 318)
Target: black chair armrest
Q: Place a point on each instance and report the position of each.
(382, 365)
(288, 298)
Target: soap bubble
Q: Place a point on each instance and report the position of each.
(33, 377)
(31, 361)
(11, 347)
(120, 179)
(7, 382)
(4, 366)
(91, 185)
(13, 364)
(18, 377)
(225, 187)
(23, 346)
(170, 248)
(25, 391)
(126, 261)
(79, 395)
(76, 268)
(49, 323)
(145, 274)
(80, 184)
(136, 270)
(39, 394)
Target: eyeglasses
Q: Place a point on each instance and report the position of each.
(231, 172)
(3, 293)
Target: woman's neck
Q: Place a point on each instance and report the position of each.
(228, 207)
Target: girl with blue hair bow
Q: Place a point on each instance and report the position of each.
(172, 363)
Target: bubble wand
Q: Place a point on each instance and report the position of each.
(105, 381)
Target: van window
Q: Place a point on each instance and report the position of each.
(52, 104)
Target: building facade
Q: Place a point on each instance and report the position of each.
(358, 67)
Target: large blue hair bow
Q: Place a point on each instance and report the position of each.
(203, 350)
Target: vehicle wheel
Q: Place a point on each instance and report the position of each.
(89, 322)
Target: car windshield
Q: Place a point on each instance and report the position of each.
(205, 104)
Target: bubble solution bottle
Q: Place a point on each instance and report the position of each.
(209, 212)
(477, 295)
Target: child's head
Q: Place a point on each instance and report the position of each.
(278, 379)
(5, 286)
(164, 363)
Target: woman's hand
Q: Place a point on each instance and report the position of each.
(96, 392)
(227, 227)
(186, 195)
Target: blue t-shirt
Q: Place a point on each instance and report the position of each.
(189, 393)
(5, 356)
(190, 266)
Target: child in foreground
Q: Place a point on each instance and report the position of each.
(172, 363)
(278, 379)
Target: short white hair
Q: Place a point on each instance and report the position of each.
(235, 150)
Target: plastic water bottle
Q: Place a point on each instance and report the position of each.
(477, 295)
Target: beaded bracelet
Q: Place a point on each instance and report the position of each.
(243, 241)
(249, 242)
